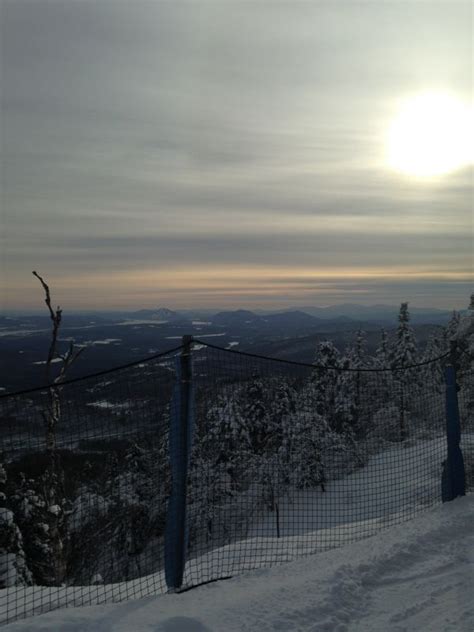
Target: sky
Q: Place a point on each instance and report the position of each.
(227, 154)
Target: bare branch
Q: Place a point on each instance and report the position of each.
(71, 354)
(47, 300)
(56, 318)
(68, 360)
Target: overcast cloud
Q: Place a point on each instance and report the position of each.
(227, 153)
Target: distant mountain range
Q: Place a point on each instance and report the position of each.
(297, 321)
(294, 320)
(115, 338)
(348, 314)
(310, 315)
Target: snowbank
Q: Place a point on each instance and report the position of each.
(416, 576)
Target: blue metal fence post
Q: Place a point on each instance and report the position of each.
(453, 482)
(180, 440)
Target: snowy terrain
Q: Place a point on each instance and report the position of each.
(418, 576)
(395, 486)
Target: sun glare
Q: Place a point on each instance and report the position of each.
(432, 135)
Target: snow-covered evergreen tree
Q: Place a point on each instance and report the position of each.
(310, 440)
(282, 408)
(452, 326)
(464, 340)
(406, 381)
(37, 519)
(324, 380)
(119, 514)
(349, 398)
(210, 487)
(405, 350)
(434, 374)
(382, 353)
(256, 414)
(464, 337)
(227, 441)
(14, 570)
(380, 384)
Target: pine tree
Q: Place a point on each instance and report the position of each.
(434, 370)
(452, 327)
(350, 402)
(380, 383)
(227, 441)
(14, 570)
(465, 362)
(311, 440)
(324, 381)
(37, 519)
(283, 401)
(405, 353)
(118, 513)
(465, 337)
(210, 487)
(256, 414)
(382, 353)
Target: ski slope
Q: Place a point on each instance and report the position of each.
(415, 576)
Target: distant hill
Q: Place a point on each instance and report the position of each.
(292, 318)
(160, 314)
(240, 317)
(288, 323)
(382, 314)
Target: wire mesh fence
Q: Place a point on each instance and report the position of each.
(466, 410)
(86, 501)
(290, 459)
(281, 460)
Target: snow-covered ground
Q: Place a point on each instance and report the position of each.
(394, 486)
(414, 577)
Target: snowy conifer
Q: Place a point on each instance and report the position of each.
(38, 520)
(226, 440)
(453, 325)
(404, 352)
(465, 362)
(434, 370)
(349, 400)
(406, 381)
(256, 414)
(382, 353)
(324, 379)
(380, 381)
(13, 567)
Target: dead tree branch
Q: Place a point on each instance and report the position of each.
(72, 353)
(53, 477)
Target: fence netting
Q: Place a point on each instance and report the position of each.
(85, 502)
(290, 460)
(465, 379)
(286, 460)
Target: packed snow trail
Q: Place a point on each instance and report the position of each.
(418, 576)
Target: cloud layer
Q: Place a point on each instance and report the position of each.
(148, 145)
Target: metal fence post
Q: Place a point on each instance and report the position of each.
(180, 439)
(453, 481)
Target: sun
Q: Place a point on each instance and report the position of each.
(432, 135)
